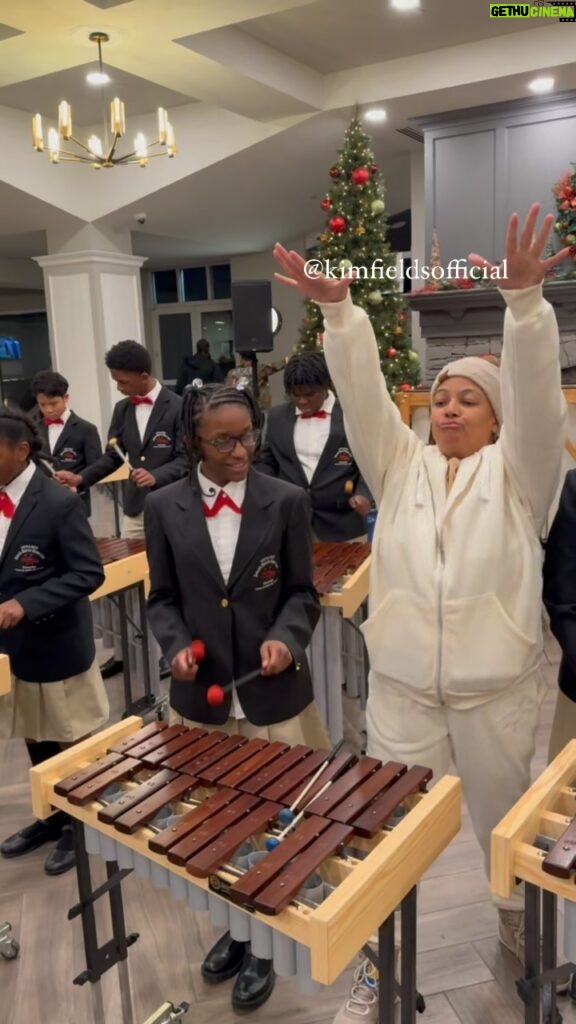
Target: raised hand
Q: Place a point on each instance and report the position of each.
(307, 277)
(524, 268)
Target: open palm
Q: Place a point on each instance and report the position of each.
(523, 266)
(307, 277)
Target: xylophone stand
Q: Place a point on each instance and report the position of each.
(147, 701)
(100, 959)
(537, 989)
(384, 960)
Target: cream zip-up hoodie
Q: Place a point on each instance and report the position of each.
(455, 585)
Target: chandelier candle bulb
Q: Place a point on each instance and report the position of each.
(170, 140)
(117, 117)
(95, 145)
(37, 133)
(65, 119)
(162, 125)
(141, 149)
(54, 145)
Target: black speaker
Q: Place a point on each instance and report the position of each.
(252, 312)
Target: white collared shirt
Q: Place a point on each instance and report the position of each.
(310, 436)
(55, 429)
(144, 410)
(224, 530)
(15, 491)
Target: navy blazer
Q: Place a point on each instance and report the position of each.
(332, 517)
(161, 451)
(560, 583)
(50, 564)
(77, 447)
(270, 595)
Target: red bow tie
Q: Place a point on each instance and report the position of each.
(320, 415)
(52, 423)
(7, 506)
(140, 401)
(222, 501)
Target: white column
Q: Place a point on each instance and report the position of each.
(93, 300)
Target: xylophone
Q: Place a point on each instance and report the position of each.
(336, 654)
(534, 843)
(126, 585)
(184, 802)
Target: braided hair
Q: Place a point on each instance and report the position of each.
(16, 427)
(306, 370)
(200, 398)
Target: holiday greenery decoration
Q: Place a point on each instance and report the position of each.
(564, 192)
(354, 236)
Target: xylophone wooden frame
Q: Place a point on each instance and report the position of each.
(515, 857)
(363, 903)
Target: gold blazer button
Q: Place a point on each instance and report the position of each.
(224, 602)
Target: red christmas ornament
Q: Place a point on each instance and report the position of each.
(360, 176)
(326, 203)
(334, 172)
(391, 353)
(373, 169)
(405, 387)
(215, 695)
(337, 225)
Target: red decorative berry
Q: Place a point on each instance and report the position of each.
(215, 695)
(373, 169)
(334, 172)
(360, 176)
(326, 203)
(337, 225)
(391, 353)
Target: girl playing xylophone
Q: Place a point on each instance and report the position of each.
(454, 632)
(230, 558)
(49, 565)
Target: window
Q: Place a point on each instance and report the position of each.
(221, 282)
(195, 284)
(165, 286)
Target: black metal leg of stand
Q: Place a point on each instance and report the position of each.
(549, 954)
(148, 695)
(386, 986)
(408, 958)
(125, 647)
(531, 994)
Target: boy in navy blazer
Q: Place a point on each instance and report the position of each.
(146, 427)
(306, 445)
(71, 442)
(230, 558)
(49, 565)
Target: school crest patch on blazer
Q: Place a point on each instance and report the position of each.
(343, 457)
(28, 558)
(161, 439)
(68, 455)
(267, 572)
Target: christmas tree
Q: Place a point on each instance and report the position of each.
(355, 236)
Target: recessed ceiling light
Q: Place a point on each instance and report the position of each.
(541, 84)
(376, 115)
(405, 5)
(97, 78)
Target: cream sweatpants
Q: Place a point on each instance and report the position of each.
(491, 747)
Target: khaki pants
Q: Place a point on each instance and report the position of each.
(491, 746)
(563, 726)
(305, 728)
(133, 527)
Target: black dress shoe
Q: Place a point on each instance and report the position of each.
(30, 838)
(224, 960)
(111, 668)
(254, 985)
(63, 856)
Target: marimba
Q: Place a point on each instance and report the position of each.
(536, 843)
(336, 653)
(176, 805)
(126, 584)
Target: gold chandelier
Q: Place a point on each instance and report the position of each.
(102, 152)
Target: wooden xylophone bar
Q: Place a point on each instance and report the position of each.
(184, 835)
(333, 561)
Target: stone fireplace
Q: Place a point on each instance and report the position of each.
(468, 322)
